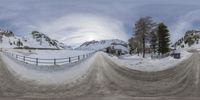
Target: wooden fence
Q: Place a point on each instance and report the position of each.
(41, 61)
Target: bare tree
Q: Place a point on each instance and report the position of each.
(135, 45)
(143, 28)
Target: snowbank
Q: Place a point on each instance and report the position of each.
(147, 64)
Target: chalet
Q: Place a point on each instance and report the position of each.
(117, 49)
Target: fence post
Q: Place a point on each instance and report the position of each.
(24, 58)
(54, 61)
(37, 61)
(69, 59)
(78, 58)
(16, 56)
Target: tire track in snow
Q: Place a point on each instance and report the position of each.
(107, 79)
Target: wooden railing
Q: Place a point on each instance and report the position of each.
(49, 62)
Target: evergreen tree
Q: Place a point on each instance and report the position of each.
(1, 38)
(163, 39)
(19, 43)
(190, 41)
(154, 42)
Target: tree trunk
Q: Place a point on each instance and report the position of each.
(143, 47)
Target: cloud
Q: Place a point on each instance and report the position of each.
(186, 22)
(84, 27)
(73, 21)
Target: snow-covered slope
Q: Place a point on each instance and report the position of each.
(7, 39)
(99, 45)
(189, 41)
(66, 47)
(33, 40)
(40, 40)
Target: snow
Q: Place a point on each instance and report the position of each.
(6, 42)
(99, 45)
(48, 57)
(32, 42)
(48, 54)
(147, 64)
(186, 47)
(64, 76)
(194, 46)
(73, 73)
(124, 49)
(190, 33)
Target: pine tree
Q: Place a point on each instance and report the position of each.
(1, 38)
(163, 39)
(154, 42)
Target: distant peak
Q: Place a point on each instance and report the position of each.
(6, 33)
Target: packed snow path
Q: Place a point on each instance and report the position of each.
(105, 79)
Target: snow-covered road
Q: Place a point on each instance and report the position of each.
(105, 79)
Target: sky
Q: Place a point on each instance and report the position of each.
(77, 21)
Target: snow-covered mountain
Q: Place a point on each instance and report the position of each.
(40, 40)
(33, 40)
(99, 45)
(8, 39)
(189, 40)
(64, 46)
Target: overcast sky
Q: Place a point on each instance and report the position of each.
(76, 21)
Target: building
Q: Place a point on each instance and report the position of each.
(117, 49)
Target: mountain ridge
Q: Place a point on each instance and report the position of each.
(103, 44)
(35, 40)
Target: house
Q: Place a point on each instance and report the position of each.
(117, 49)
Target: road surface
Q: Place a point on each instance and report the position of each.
(105, 80)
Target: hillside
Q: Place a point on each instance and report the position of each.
(99, 45)
(40, 40)
(8, 39)
(33, 40)
(189, 40)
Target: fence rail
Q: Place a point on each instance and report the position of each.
(44, 61)
(160, 56)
